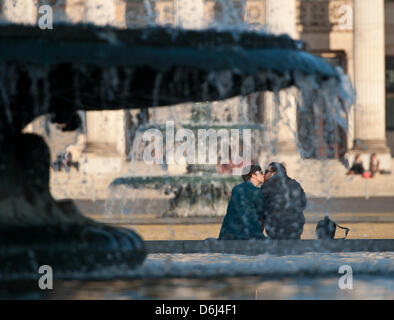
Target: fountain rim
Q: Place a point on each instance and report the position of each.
(156, 35)
(245, 52)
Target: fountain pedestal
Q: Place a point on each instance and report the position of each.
(36, 230)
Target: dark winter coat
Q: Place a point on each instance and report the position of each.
(284, 203)
(244, 210)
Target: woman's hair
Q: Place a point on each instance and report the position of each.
(278, 168)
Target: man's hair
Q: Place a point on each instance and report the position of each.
(278, 168)
(249, 170)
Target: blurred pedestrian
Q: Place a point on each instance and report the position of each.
(374, 164)
(357, 167)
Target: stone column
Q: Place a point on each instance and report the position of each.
(369, 79)
(20, 11)
(75, 11)
(120, 14)
(189, 14)
(281, 120)
(105, 130)
(165, 13)
(281, 17)
(100, 12)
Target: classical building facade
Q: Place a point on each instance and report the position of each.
(357, 35)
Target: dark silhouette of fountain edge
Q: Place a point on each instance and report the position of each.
(35, 229)
(78, 63)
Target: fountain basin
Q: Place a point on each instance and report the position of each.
(194, 195)
(75, 248)
(269, 246)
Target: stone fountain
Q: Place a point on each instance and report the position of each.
(84, 67)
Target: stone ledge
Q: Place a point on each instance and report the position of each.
(310, 218)
(268, 246)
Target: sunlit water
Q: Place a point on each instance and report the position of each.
(223, 276)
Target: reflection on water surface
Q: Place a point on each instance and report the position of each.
(223, 276)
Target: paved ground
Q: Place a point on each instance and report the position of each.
(360, 230)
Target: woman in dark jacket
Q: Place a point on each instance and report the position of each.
(284, 203)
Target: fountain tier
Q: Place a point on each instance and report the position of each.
(83, 67)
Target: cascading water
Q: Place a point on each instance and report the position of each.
(312, 93)
(207, 193)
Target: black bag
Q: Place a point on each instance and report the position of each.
(326, 228)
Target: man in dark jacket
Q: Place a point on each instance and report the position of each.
(284, 203)
(243, 219)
